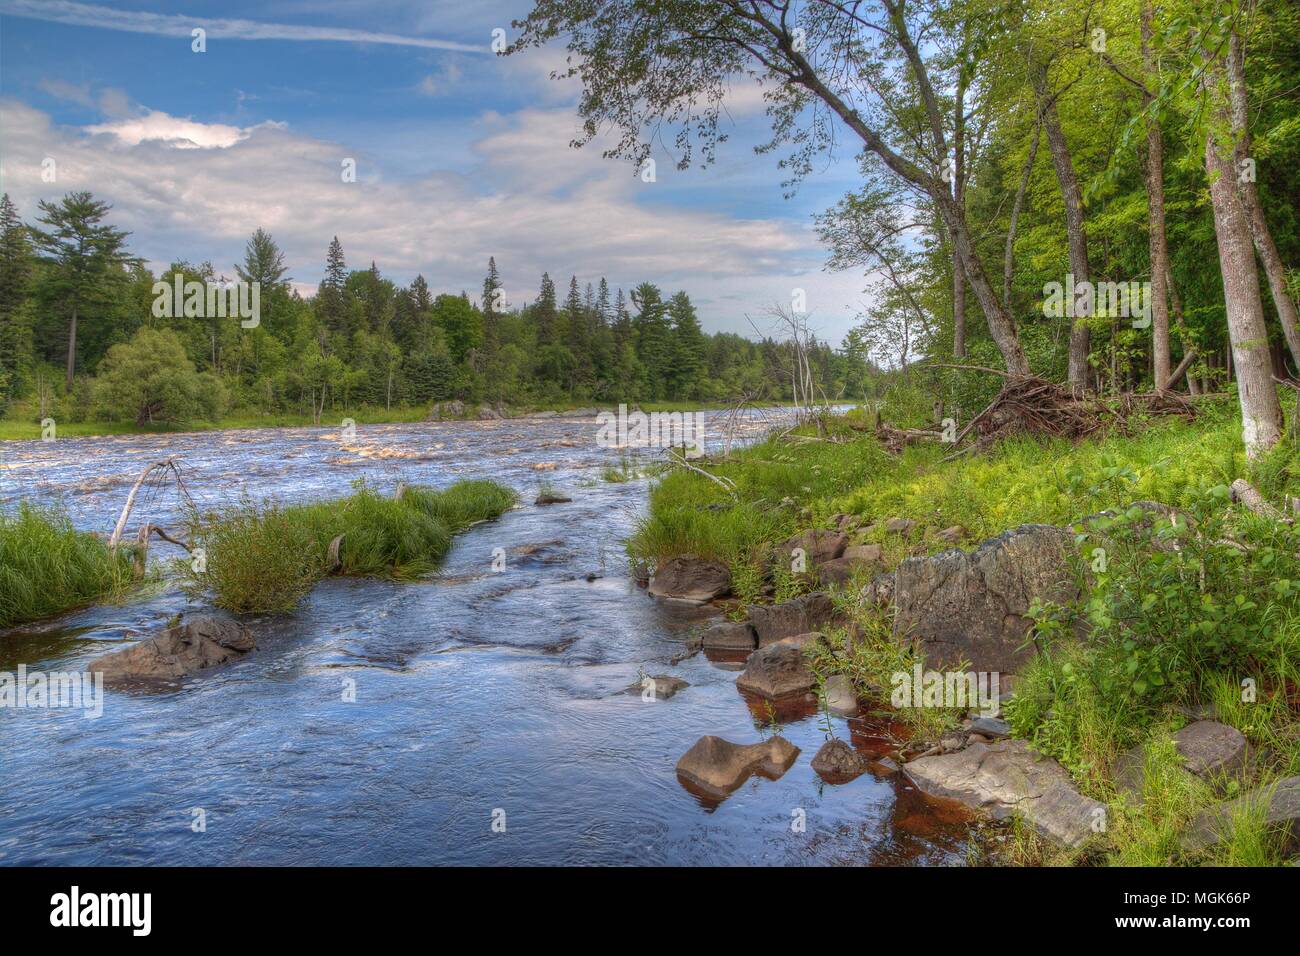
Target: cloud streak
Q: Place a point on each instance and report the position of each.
(175, 25)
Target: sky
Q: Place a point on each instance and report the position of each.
(459, 154)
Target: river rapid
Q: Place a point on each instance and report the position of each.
(480, 696)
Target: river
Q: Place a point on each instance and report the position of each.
(481, 697)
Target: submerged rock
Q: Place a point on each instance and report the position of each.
(691, 579)
(837, 762)
(718, 766)
(658, 687)
(778, 670)
(1008, 778)
(552, 498)
(730, 636)
(192, 645)
(972, 606)
(778, 621)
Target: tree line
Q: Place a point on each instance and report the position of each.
(79, 337)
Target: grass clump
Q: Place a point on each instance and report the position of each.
(48, 567)
(266, 557)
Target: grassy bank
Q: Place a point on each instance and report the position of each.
(1173, 631)
(47, 567)
(264, 557)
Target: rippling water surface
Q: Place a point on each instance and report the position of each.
(476, 692)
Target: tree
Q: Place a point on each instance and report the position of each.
(87, 255)
(644, 64)
(152, 380)
(688, 348)
(331, 298)
(15, 275)
(1261, 411)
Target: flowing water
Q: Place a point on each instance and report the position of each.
(479, 696)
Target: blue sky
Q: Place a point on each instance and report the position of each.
(459, 154)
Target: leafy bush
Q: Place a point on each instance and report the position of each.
(151, 380)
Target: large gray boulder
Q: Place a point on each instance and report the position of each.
(1212, 750)
(778, 670)
(1007, 778)
(200, 642)
(971, 606)
(817, 546)
(1277, 805)
(690, 579)
(718, 766)
(776, 622)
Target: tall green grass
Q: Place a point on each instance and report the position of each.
(48, 567)
(266, 557)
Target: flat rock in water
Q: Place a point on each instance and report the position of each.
(658, 687)
(718, 766)
(777, 670)
(552, 499)
(730, 636)
(973, 607)
(1008, 778)
(837, 762)
(779, 621)
(204, 641)
(691, 579)
(1277, 805)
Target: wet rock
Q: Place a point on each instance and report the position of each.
(841, 696)
(991, 727)
(690, 579)
(1277, 805)
(972, 606)
(1210, 749)
(1008, 778)
(581, 413)
(952, 743)
(204, 641)
(447, 411)
(777, 670)
(658, 687)
(818, 546)
(837, 762)
(552, 498)
(778, 621)
(730, 636)
(718, 766)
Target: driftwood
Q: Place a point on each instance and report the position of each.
(147, 531)
(167, 464)
(727, 484)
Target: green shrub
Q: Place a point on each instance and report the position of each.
(262, 558)
(48, 567)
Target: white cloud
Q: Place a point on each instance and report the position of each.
(175, 25)
(531, 201)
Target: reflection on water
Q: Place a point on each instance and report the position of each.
(475, 692)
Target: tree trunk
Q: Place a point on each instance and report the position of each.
(72, 348)
(1261, 411)
(1008, 254)
(1076, 232)
(1157, 241)
(959, 197)
(1261, 235)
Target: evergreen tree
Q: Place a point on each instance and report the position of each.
(688, 348)
(653, 334)
(15, 275)
(331, 298)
